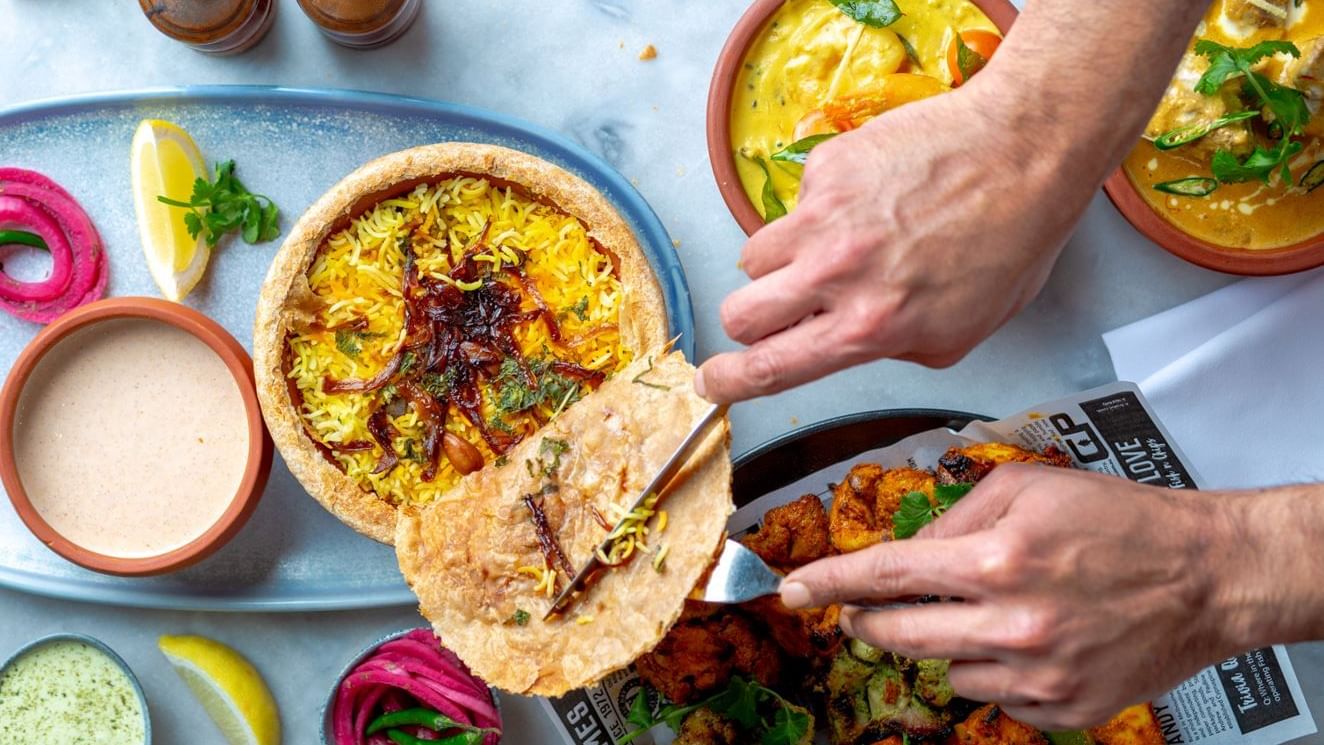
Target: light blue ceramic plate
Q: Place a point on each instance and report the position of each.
(291, 145)
(100, 646)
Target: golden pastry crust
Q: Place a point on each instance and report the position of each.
(462, 554)
(286, 301)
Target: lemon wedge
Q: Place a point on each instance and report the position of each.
(165, 162)
(228, 687)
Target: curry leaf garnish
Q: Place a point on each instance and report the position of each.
(916, 510)
(1185, 135)
(222, 205)
(968, 61)
(773, 207)
(910, 52)
(876, 13)
(798, 151)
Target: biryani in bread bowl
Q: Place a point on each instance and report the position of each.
(487, 558)
(434, 310)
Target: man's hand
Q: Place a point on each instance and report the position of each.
(916, 237)
(1082, 593)
(922, 232)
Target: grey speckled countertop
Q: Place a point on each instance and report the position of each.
(570, 65)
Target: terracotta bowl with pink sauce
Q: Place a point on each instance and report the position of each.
(131, 442)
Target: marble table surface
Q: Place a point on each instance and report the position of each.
(570, 65)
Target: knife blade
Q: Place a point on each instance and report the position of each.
(660, 480)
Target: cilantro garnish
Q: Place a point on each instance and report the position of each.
(1283, 106)
(515, 395)
(439, 385)
(739, 702)
(916, 510)
(580, 309)
(520, 618)
(348, 342)
(222, 205)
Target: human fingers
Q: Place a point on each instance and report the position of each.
(774, 246)
(949, 631)
(771, 303)
(895, 569)
(799, 354)
(986, 680)
(981, 508)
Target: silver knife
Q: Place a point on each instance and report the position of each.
(660, 481)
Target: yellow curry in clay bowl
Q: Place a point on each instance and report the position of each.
(795, 73)
(1228, 175)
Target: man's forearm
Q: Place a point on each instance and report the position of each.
(1270, 566)
(1085, 77)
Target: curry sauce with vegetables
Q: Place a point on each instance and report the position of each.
(823, 67)
(1234, 155)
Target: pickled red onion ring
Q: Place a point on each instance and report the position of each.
(411, 670)
(79, 272)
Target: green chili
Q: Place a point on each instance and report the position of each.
(418, 716)
(400, 737)
(1195, 186)
(22, 238)
(1314, 177)
(1188, 134)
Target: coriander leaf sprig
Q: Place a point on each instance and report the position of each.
(739, 702)
(223, 205)
(1285, 107)
(916, 511)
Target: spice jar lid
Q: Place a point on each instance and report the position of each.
(198, 22)
(353, 16)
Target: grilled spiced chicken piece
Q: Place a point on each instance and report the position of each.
(706, 727)
(704, 649)
(864, 502)
(1135, 725)
(792, 535)
(968, 465)
(988, 725)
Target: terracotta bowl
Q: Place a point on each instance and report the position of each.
(1296, 258)
(258, 464)
(720, 152)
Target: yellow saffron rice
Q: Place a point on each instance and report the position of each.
(358, 274)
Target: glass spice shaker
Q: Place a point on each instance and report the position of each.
(362, 24)
(212, 26)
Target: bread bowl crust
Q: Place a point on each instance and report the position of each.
(286, 301)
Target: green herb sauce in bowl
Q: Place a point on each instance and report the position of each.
(71, 688)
